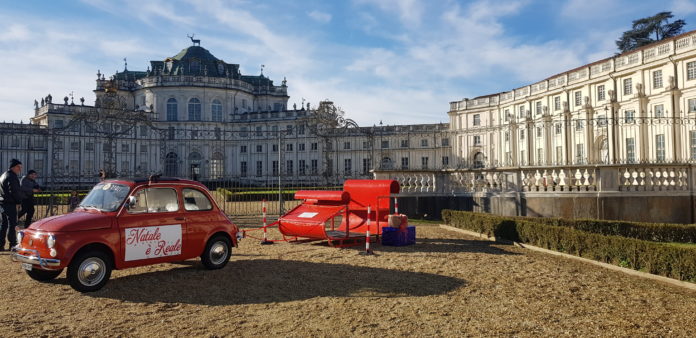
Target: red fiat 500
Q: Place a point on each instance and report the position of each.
(127, 223)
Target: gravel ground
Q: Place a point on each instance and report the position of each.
(446, 285)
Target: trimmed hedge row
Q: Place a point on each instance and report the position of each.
(657, 258)
(655, 232)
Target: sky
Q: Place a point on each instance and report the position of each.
(396, 61)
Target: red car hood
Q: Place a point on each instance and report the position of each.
(75, 221)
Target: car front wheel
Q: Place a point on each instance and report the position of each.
(43, 275)
(89, 271)
(217, 252)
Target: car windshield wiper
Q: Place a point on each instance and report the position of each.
(90, 207)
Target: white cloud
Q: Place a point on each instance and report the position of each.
(683, 7)
(319, 16)
(410, 12)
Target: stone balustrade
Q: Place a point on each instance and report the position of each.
(567, 179)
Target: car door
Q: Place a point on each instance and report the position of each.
(153, 230)
(200, 219)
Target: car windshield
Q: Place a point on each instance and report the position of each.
(105, 197)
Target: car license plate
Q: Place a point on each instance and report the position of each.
(27, 266)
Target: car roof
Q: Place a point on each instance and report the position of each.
(159, 180)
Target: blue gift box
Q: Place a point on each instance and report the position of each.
(398, 237)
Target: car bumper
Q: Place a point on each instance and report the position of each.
(33, 257)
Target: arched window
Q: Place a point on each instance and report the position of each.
(171, 167)
(194, 109)
(217, 166)
(479, 160)
(172, 109)
(216, 111)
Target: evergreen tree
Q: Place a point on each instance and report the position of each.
(657, 26)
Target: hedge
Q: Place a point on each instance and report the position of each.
(655, 232)
(664, 259)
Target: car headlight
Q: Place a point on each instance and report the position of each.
(51, 241)
(53, 252)
(20, 236)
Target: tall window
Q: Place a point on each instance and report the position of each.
(601, 96)
(194, 109)
(557, 103)
(657, 79)
(539, 131)
(630, 116)
(243, 168)
(659, 110)
(259, 168)
(314, 166)
(692, 145)
(366, 166)
(559, 154)
(216, 111)
(538, 107)
(628, 86)
(348, 166)
(692, 105)
(559, 128)
(424, 162)
(521, 111)
(540, 155)
(522, 134)
(477, 119)
(507, 114)
(172, 109)
(578, 98)
(660, 147)
(404, 163)
(289, 167)
(691, 70)
(217, 165)
(580, 153)
(274, 166)
(302, 167)
(630, 150)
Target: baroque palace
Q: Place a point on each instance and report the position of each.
(194, 115)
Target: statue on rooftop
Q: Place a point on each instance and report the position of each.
(36, 104)
(42, 102)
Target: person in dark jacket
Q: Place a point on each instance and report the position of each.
(29, 187)
(10, 196)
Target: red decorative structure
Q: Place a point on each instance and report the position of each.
(339, 217)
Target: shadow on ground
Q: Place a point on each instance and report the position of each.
(267, 281)
(439, 245)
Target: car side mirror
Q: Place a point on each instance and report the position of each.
(131, 202)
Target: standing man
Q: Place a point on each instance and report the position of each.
(10, 196)
(29, 187)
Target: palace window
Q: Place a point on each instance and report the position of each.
(314, 167)
(507, 114)
(579, 125)
(521, 109)
(557, 103)
(522, 134)
(477, 119)
(539, 131)
(242, 149)
(172, 109)
(194, 109)
(692, 105)
(600, 93)
(580, 153)
(313, 146)
(578, 98)
(404, 163)
(300, 147)
(89, 146)
(301, 167)
(559, 154)
(243, 169)
(540, 155)
(143, 148)
(691, 70)
(125, 148)
(216, 111)
(75, 146)
(659, 110)
(346, 145)
(289, 167)
(477, 140)
(630, 116)
(274, 147)
(657, 79)
(385, 144)
(628, 86)
(366, 166)
(445, 142)
(404, 143)
(259, 168)
(259, 148)
(660, 147)
(507, 136)
(692, 145)
(274, 168)
(347, 166)
(424, 162)
(445, 160)
(538, 107)
(424, 142)
(301, 129)
(288, 147)
(259, 131)
(630, 150)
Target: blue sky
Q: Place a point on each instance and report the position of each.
(400, 61)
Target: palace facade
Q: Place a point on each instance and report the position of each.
(194, 115)
(636, 107)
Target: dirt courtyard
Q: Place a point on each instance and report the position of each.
(446, 285)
